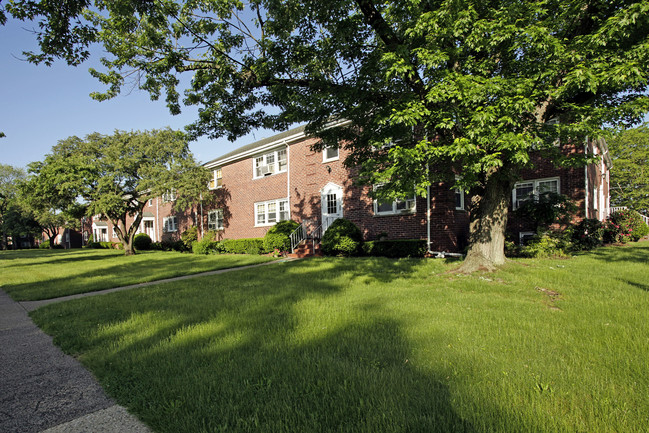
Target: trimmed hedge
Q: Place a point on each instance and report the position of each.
(243, 246)
(142, 242)
(206, 246)
(342, 238)
(279, 236)
(396, 248)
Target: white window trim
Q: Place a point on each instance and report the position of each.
(165, 224)
(277, 207)
(461, 192)
(214, 182)
(324, 155)
(535, 186)
(169, 195)
(275, 163)
(218, 226)
(394, 210)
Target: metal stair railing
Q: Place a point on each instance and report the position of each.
(298, 235)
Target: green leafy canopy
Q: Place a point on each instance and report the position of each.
(427, 88)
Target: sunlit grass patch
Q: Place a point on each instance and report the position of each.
(371, 344)
(43, 274)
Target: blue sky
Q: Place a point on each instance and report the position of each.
(41, 105)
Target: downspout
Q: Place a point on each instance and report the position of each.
(157, 224)
(288, 178)
(586, 186)
(428, 211)
(201, 216)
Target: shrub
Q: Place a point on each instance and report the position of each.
(396, 248)
(189, 236)
(547, 244)
(587, 234)
(279, 236)
(206, 246)
(173, 245)
(142, 242)
(623, 226)
(342, 237)
(100, 245)
(547, 210)
(156, 246)
(243, 246)
(44, 244)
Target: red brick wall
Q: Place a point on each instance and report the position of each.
(307, 175)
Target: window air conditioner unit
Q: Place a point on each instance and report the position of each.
(265, 170)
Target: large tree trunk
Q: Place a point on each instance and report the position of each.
(487, 227)
(129, 250)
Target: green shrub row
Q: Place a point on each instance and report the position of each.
(621, 227)
(396, 248)
(105, 245)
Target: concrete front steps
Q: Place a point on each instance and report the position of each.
(305, 249)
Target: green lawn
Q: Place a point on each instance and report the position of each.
(31, 275)
(377, 345)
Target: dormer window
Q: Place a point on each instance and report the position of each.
(270, 163)
(217, 179)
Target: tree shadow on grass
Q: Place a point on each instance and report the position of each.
(640, 286)
(275, 350)
(633, 253)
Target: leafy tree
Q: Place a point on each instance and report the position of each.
(630, 173)
(50, 205)
(9, 179)
(116, 175)
(428, 88)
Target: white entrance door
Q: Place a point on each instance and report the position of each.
(332, 204)
(148, 229)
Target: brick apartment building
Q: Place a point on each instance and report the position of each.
(280, 178)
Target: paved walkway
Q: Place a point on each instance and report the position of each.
(44, 390)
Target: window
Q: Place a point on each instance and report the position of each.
(217, 179)
(459, 199)
(398, 206)
(215, 219)
(533, 189)
(329, 154)
(270, 163)
(459, 196)
(114, 232)
(169, 224)
(150, 202)
(271, 212)
(169, 195)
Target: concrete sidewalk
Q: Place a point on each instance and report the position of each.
(42, 389)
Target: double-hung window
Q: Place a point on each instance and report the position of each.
(170, 224)
(533, 189)
(169, 195)
(271, 212)
(215, 219)
(217, 179)
(269, 163)
(398, 206)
